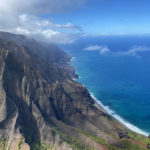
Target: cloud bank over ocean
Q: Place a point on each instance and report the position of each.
(134, 51)
(22, 17)
(102, 49)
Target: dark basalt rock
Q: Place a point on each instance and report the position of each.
(148, 146)
(123, 135)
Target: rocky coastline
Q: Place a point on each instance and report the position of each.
(43, 108)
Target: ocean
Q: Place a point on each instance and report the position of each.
(116, 71)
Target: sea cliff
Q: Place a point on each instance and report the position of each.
(43, 108)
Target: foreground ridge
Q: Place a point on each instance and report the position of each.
(43, 108)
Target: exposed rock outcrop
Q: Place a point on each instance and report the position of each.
(41, 104)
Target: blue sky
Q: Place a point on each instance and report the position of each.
(110, 16)
(63, 21)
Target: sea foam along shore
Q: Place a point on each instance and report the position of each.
(114, 115)
(72, 59)
(117, 117)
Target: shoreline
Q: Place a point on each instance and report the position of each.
(119, 118)
(113, 114)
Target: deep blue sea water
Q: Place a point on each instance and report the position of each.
(121, 82)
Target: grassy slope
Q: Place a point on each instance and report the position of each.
(134, 142)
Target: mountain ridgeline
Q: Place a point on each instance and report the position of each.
(43, 108)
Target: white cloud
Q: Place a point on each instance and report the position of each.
(39, 6)
(134, 51)
(46, 30)
(102, 49)
(20, 16)
(93, 48)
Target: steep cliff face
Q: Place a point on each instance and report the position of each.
(41, 107)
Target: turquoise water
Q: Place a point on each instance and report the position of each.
(121, 81)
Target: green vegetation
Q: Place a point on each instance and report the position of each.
(129, 146)
(139, 138)
(126, 144)
(19, 144)
(73, 142)
(40, 146)
(44, 146)
(2, 144)
(135, 142)
(98, 140)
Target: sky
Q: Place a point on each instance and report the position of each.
(63, 21)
